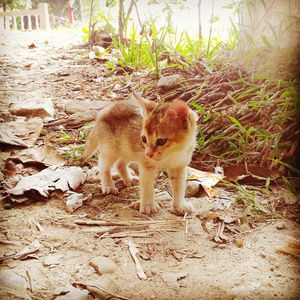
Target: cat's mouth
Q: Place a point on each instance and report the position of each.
(154, 157)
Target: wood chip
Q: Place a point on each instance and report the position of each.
(134, 254)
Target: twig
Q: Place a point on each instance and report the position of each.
(38, 225)
(118, 229)
(186, 222)
(91, 16)
(15, 90)
(134, 252)
(30, 281)
(129, 234)
(129, 223)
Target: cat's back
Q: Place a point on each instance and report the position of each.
(119, 127)
(120, 116)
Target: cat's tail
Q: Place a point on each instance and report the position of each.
(92, 144)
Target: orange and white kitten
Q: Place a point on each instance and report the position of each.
(157, 136)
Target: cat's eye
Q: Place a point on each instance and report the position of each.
(144, 139)
(161, 141)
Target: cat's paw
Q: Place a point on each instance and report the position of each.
(134, 180)
(180, 210)
(110, 190)
(147, 209)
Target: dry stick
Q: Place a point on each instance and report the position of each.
(134, 251)
(134, 231)
(129, 223)
(132, 3)
(119, 229)
(131, 234)
(15, 90)
(30, 281)
(38, 225)
(91, 15)
(173, 96)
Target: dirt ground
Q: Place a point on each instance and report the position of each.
(182, 257)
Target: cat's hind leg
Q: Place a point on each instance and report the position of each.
(128, 179)
(105, 163)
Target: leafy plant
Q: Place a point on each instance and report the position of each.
(65, 138)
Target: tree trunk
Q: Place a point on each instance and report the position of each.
(121, 20)
(81, 15)
(90, 21)
(132, 3)
(199, 20)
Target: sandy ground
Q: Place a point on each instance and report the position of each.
(181, 260)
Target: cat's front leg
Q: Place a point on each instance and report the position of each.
(146, 178)
(178, 184)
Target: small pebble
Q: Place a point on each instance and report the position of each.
(103, 265)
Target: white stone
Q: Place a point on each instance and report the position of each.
(103, 265)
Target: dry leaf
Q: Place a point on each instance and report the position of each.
(69, 293)
(249, 174)
(10, 168)
(76, 120)
(31, 46)
(75, 106)
(50, 179)
(104, 288)
(25, 252)
(206, 179)
(38, 108)
(169, 82)
(75, 200)
(171, 279)
(46, 155)
(21, 132)
(220, 237)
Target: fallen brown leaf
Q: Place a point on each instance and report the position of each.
(21, 132)
(38, 108)
(46, 155)
(25, 252)
(171, 279)
(50, 179)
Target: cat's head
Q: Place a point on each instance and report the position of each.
(167, 127)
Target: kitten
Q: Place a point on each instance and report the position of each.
(157, 136)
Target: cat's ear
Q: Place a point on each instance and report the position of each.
(146, 105)
(179, 110)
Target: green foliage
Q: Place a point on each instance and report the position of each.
(73, 153)
(86, 34)
(65, 138)
(143, 51)
(84, 130)
(15, 4)
(250, 198)
(147, 49)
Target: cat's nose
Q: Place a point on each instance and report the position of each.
(149, 152)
